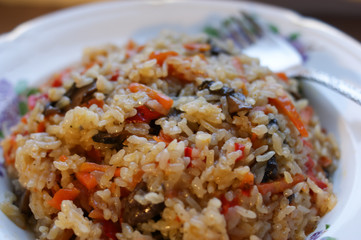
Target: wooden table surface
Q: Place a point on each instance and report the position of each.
(13, 15)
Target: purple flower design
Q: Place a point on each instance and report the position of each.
(9, 112)
(316, 235)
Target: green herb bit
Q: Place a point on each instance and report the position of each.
(23, 108)
(1, 134)
(327, 226)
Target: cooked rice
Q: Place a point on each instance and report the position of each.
(192, 170)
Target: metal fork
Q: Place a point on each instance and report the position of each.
(256, 40)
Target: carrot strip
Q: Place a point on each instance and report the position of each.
(282, 76)
(90, 167)
(162, 56)
(61, 195)
(117, 172)
(280, 185)
(163, 138)
(41, 127)
(87, 179)
(99, 103)
(63, 158)
(144, 114)
(325, 161)
(247, 181)
(285, 106)
(96, 214)
(163, 99)
(200, 47)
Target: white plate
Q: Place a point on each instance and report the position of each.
(42, 46)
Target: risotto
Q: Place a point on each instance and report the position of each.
(178, 138)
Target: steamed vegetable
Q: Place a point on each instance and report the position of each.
(285, 106)
(61, 195)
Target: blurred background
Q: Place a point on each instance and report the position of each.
(343, 14)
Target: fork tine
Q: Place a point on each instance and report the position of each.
(257, 28)
(231, 31)
(244, 27)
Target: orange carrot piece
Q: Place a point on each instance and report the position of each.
(24, 119)
(325, 161)
(99, 103)
(162, 56)
(113, 188)
(247, 181)
(61, 195)
(282, 76)
(136, 179)
(87, 179)
(200, 47)
(90, 167)
(285, 106)
(164, 100)
(41, 127)
(117, 172)
(163, 138)
(63, 158)
(280, 185)
(96, 214)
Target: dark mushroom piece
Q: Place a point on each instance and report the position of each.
(50, 109)
(81, 95)
(216, 49)
(206, 84)
(24, 203)
(77, 97)
(291, 198)
(223, 91)
(154, 128)
(271, 171)
(110, 138)
(135, 213)
(272, 122)
(236, 102)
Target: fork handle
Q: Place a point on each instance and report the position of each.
(348, 90)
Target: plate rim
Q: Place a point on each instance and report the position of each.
(304, 21)
(317, 24)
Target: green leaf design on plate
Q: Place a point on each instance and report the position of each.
(226, 22)
(273, 28)
(1, 134)
(328, 238)
(23, 108)
(294, 36)
(211, 31)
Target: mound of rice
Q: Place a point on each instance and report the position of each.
(174, 139)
